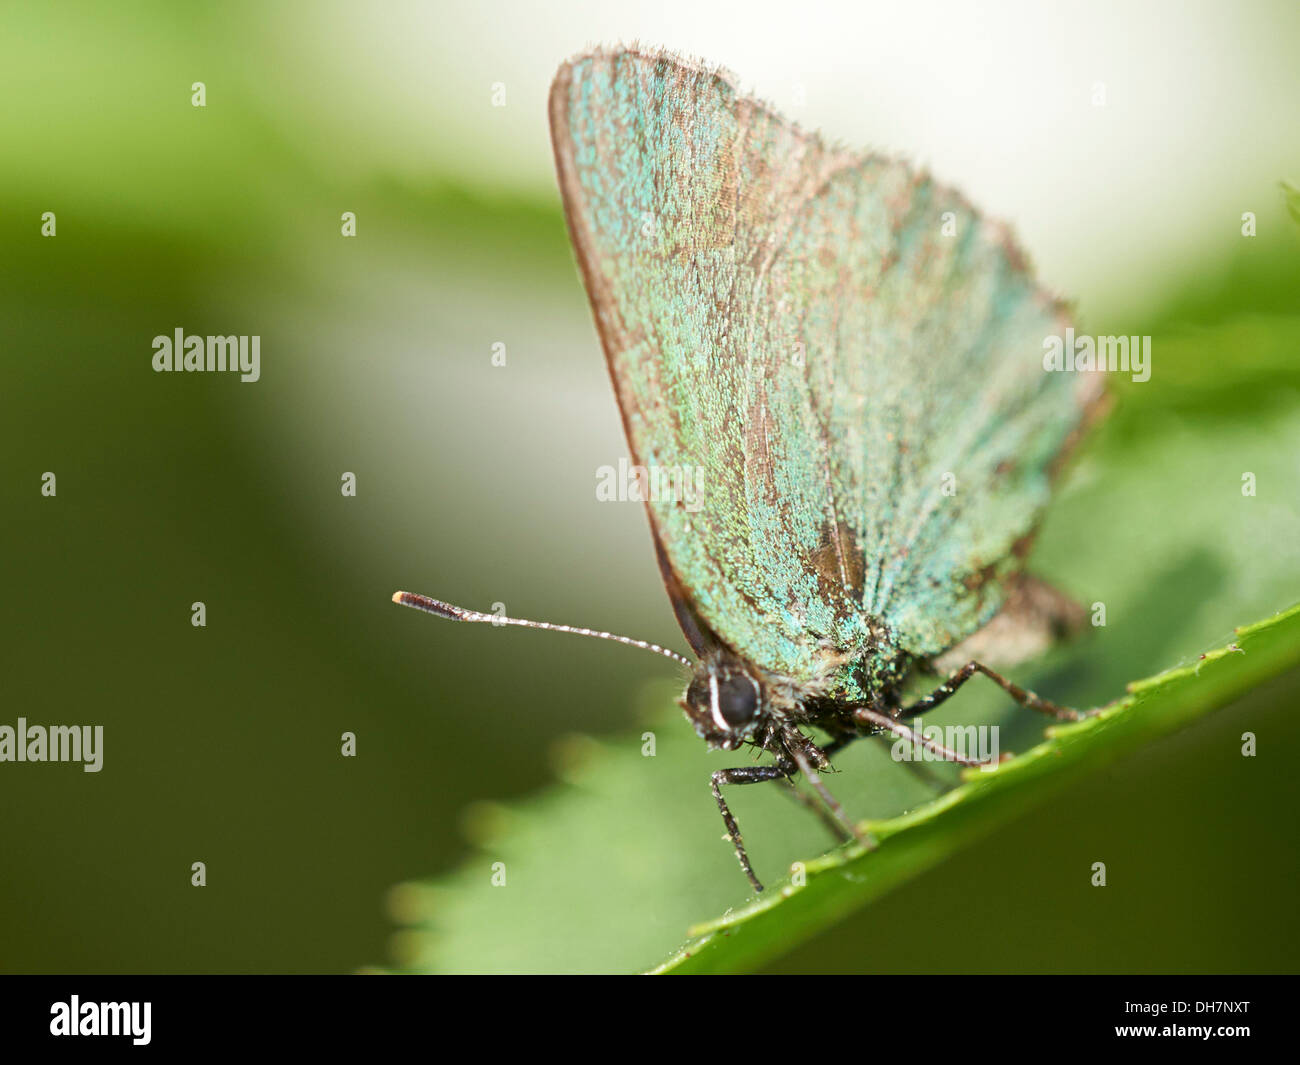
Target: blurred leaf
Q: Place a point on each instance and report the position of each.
(1292, 195)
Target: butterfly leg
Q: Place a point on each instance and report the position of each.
(832, 826)
(823, 815)
(750, 774)
(804, 752)
(1025, 698)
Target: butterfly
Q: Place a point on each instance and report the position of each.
(848, 357)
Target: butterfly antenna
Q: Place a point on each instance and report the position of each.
(458, 613)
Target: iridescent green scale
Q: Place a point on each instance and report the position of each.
(847, 349)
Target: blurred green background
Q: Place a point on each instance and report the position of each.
(476, 482)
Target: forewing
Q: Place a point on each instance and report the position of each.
(678, 193)
(787, 319)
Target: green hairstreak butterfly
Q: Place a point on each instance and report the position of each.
(849, 355)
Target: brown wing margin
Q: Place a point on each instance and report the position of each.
(611, 331)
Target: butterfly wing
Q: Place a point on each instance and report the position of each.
(862, 396)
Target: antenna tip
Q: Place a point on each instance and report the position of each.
(435, 606)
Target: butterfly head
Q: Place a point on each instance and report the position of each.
(725, 701)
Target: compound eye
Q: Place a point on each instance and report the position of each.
(737, 700)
